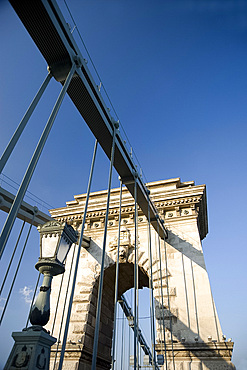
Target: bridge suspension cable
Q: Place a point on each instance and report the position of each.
(10, 147)
(169, 306)
(116, 279)
(63, 315)
(136, 287)
(38, 201)
(17, 268)
(101, 278)
(162, 326)
(151, 291)
(141, 339)
(78, 256)
(59, 293)
(31, 167)
(12, 257)
(132, 152)
(60, 56)
(67, 66)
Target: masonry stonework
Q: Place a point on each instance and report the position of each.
(193, 335)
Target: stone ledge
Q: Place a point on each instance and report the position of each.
(171, 197)
(75, 353)
(221, 350)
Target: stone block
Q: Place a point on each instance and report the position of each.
(88, 341)
(106, 330)
(77, 317)
(77, 328)
(105, 340)
(89, 330)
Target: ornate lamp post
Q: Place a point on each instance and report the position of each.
(31, 349)
(55, 241)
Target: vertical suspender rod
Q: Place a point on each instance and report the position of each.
(23, 123)
(32, 165)
(35, 211)
(116, 280)
(101, 278)
(169, 306)
(77, 258)
(162, 297)
(136, 285)
(11, 260)
(64, 306)
(151, 291)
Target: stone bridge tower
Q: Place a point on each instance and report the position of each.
(196, 341)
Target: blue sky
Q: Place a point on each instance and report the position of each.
(176, 74)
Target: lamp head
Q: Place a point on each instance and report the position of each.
(56, 239)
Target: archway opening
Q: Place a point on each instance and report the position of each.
(126, 283)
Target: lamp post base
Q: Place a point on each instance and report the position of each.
(31, 350)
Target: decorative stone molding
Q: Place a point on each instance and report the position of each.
(216, 356)
(125, 246)
(173, 199)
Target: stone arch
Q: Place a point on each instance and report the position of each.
(79, 346)
(126, 282)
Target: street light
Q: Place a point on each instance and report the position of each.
(31, 349)
(56, 239)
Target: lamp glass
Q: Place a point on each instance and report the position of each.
(48, 245)
(63, 249)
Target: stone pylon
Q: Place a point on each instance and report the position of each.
(188, 330)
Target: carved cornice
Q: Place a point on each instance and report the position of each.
(173, 199)
(205, 351)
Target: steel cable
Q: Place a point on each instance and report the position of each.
(23, 123)
(116, 279)
(77, 257)
(162, 297)
(101, 277)
(151, 290)
(58, 300)
(6, 230)
(169, 306)
(11, 260)
(122, 341)
(64, 306)
(18, 265)
(136, 286)
(100, 80)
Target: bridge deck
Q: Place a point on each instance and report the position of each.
(25, 212)
(50, 32)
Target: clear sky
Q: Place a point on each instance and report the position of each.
(176, 74)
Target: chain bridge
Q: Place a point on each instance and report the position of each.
(139, 236)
